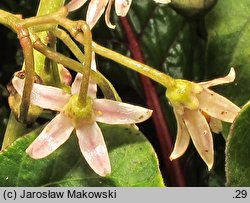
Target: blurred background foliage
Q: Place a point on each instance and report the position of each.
(175, 40)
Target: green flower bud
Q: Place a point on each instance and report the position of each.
(14, 100)
(192, 8)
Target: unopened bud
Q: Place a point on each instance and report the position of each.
(191, 8)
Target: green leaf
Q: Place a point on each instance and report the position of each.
(229, 45)
(169, 41)
(133, 161)
(238, 151)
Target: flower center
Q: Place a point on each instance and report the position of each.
(77, 113)
(183, 94)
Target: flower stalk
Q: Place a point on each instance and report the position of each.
(27, 47)
(87, 42)
(106, 87)
(146, 70)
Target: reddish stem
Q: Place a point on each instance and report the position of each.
(173, 168)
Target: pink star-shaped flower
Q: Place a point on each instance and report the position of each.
(59, 129)
(191, 121)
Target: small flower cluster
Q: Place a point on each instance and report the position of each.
(196, 107)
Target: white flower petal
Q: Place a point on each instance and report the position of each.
(47, 97)
(182, 138)
(93, 62)
(163, 1)
(95, 10)
(217, 106)
(94, 149)
(113, 112)
(200, 133)
(75, 4)
(107, 15)
(53, 136)
(122, 7)
(218, 81)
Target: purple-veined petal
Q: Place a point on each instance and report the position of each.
(217, 106)
(75, 4)
(113, 112)
(93, 148)
(47, 97)
(218, 81)
(95, 10)
(75, 88)
(122, 7)
(200, 133)
(182, 138)
(53, 136)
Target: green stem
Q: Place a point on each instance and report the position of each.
(87, 43)
(106, 87)
(73, 28)
(25, 41)
(50, 67)
(66, 39)
(15, 129)
(148, 71)
(44, 19)
(162, 78)
(45, 7)
(9, 20)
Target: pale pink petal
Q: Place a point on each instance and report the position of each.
(218, 81)
(95, 10)
(215, 125)
(92, 89)
(182, 138)
(122, 7)
(201, 135)
(163, 1)
(217, 106)
(93, 148)
(75, 88)
(75, 4)
(53, 136)
(65, 75)
(47, 97)
(113, 112)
